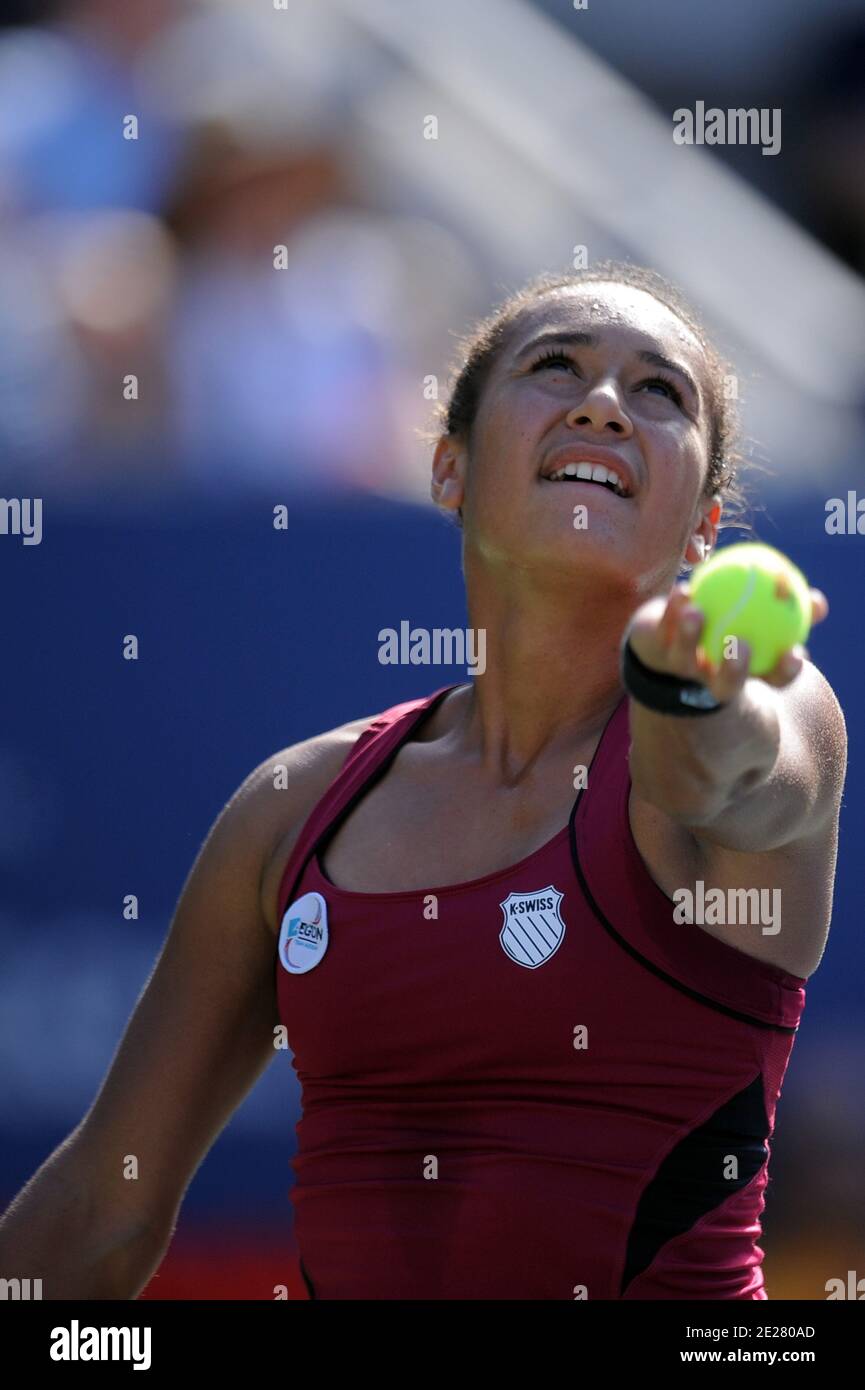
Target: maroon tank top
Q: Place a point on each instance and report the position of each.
(531, 1085)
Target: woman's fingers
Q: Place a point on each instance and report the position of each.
(819, 606)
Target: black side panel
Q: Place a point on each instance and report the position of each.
(306, 1279)
(690, 1182)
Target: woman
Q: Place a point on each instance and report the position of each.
(522, 1076)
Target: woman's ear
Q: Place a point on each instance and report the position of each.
(447, 487)
(704, 534)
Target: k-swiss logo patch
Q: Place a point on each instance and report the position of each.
(303, 934)
(533, 929)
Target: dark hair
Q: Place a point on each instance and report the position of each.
(480, 349)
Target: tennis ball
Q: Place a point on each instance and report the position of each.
(755, 593)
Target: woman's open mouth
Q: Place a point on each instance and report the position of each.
(595, 473)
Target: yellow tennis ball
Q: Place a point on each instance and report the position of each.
(755, 593)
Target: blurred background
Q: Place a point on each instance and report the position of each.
(238, 243)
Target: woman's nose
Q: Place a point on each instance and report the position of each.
(601, 409)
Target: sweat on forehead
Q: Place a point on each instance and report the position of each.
(596, 304)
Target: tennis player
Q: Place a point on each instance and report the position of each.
(524, 1075)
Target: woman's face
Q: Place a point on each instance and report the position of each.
(601, 374)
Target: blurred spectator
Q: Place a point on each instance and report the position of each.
(286, 368)
(283, 369)
(240, 368)
(64, 92)
(84, 265)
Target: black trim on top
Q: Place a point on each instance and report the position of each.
(377, 773)
(647, 964)
(332, 826)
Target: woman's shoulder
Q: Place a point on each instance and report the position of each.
(279, 795)
(273, 803)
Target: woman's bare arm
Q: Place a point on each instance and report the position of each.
(96, 1219)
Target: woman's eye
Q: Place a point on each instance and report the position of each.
(666, 386)
(554, 359)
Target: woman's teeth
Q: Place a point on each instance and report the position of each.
(590, 473)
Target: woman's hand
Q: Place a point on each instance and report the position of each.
(665, 634)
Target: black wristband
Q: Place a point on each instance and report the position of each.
(663, 693)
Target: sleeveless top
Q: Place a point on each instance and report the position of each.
(531, 1085)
